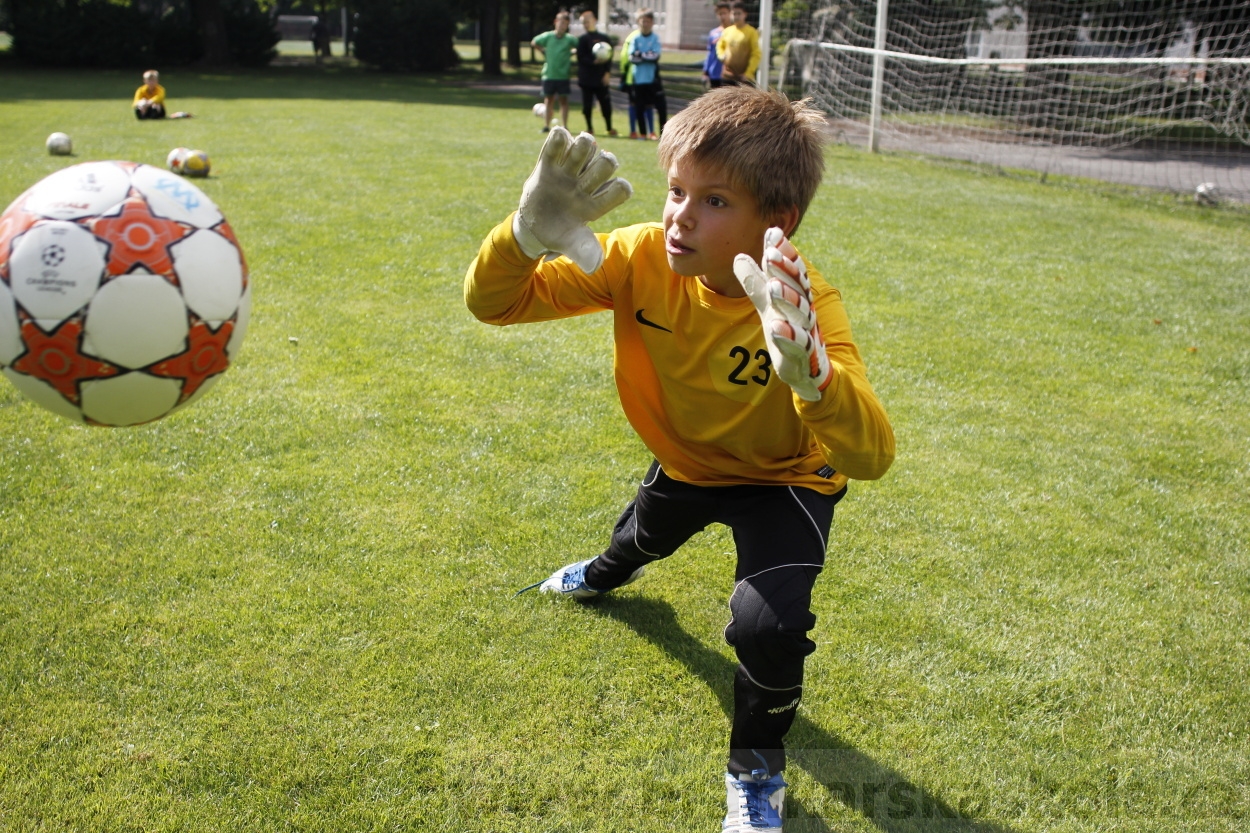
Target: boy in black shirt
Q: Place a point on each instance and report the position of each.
(592, 75)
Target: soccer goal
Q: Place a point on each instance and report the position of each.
(1143, 92)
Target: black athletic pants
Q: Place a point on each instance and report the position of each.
(781, 533)
(589, 95)
(644, 99)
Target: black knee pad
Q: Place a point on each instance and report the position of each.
(771, 615)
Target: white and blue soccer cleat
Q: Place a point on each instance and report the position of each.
(756, 803)
(571, 581)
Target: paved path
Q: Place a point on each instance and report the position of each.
(1173, 169)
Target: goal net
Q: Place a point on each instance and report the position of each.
(1144, 92)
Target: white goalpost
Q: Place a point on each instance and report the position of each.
(1158, 95)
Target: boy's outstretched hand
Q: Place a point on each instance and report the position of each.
(782, 295)
(571, 185)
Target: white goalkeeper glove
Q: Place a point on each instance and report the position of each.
(782, 295)
(571, 185)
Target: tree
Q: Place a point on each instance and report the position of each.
(211, 22)
(1224, 25)
(513, 38)
(412, 35)
(488, 37)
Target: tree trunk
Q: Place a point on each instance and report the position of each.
(534, 30)
(514, 33)
(212, 26)
(1052, 34)
(488, 38)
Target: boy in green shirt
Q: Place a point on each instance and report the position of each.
(557, 48)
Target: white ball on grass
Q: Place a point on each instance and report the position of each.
(196, 163)
(1207, 194)
(60, 144)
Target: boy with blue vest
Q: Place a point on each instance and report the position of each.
(644, 54)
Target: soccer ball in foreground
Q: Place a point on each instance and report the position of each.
(195, 163)
(59, 144)
(1207, 194)
(123, 293)
(175, 159)
(601, 51)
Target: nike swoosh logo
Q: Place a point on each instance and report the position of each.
(641, 320)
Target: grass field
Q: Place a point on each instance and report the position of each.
(290, 606)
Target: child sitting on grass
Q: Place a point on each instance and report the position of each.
(149, 101)
(734, 363)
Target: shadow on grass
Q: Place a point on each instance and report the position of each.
(468, 89)
(879, 794)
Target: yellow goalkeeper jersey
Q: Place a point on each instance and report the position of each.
(739, 48)
(155, 95)
(692, 369)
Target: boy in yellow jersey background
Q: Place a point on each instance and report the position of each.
(739, 48)
(734, 363)
(149, 100)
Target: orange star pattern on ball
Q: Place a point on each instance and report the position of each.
(205, 356)
(136, 236)
(13, 222)
(55, 358)
(223, 228)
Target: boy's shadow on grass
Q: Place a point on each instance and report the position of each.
(868, 788)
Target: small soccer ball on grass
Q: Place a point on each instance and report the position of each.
(124, 294)
(195, 163)
(540, 110)
(601, 52)
(175, 159)
(60, 144)
(1207, 194)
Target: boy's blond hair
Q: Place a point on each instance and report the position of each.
(641, 13)
(764, 143)
(150, 75)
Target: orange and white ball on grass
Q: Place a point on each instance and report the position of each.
(124, 294)
(175, 159)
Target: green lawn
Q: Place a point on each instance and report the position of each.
(289, 607)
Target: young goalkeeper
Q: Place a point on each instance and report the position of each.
(734, 363)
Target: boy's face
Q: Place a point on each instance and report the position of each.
(588, 21)
(739, 16)
(707, 222)
(725, 16)
(562, 24)
(645, 24)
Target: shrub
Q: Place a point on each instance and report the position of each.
(406, 35)
(251, 33)
(98, 33)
